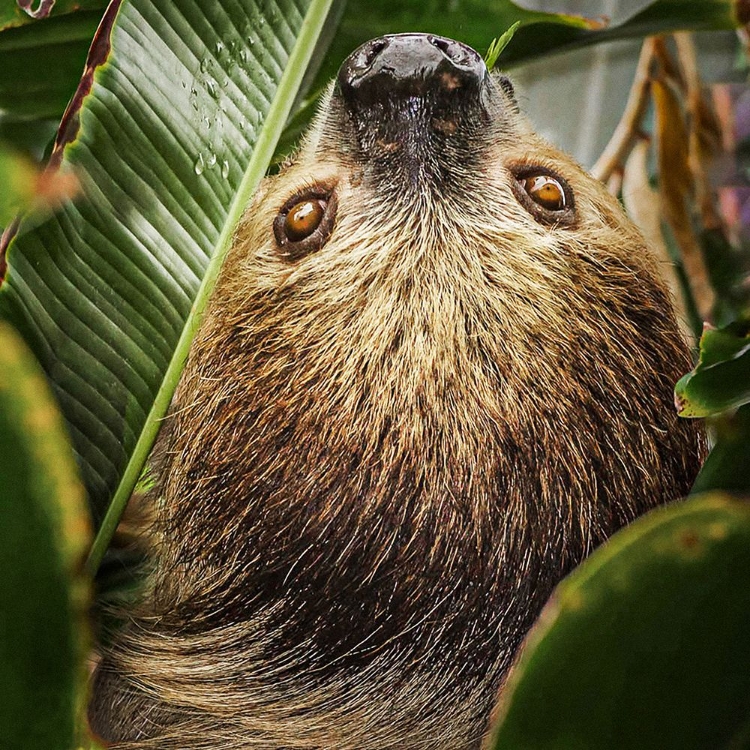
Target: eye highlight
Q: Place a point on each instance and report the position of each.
(544, 194)
(305, 222)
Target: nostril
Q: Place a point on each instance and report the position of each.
(374, 49)
(452, 50)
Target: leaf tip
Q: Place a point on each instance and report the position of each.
(498, 45)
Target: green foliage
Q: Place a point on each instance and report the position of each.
(46, 535)
(498, 45)
(728, 465)
(17, 178)
(42, 62)
(645, 645)
(12, 14)
(721, 380)
(716, 387)
(166, 163)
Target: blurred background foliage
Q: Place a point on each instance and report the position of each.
(654, 620)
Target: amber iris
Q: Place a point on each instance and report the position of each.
(546, 191)
(303, 219)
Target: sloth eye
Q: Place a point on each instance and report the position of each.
(303, 219)
(304, 223)
(546, 191)
(544, 194)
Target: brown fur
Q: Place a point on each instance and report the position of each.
(383, 456)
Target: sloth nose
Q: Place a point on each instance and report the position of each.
(409, 64)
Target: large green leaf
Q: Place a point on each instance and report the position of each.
(645, 646)
(728, 465)
(659, 17)
(721, 379)
(41, 63)
(184, 108)
(45, 537)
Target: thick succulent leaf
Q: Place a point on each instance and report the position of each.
(728, 465)
(41, 63)
(646, 644)
(171, 129)
(46, 534)
(721, 379)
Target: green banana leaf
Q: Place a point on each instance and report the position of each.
(45, 537)
(645, 646)
(174, 123)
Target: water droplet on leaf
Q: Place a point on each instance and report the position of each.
(200, 165)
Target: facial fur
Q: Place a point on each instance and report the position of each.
(385, 453)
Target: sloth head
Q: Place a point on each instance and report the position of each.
(436, 372)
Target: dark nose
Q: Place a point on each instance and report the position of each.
(409, 64)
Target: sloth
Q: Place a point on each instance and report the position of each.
(436, 372)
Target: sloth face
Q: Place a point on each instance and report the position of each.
(436, 372)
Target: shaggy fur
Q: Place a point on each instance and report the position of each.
(384, 455)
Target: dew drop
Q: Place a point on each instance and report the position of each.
(199, 165)
(204, 65)
(219, 47)
(212, 88)
(225, 169)
(211, 161)
(243, 55)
